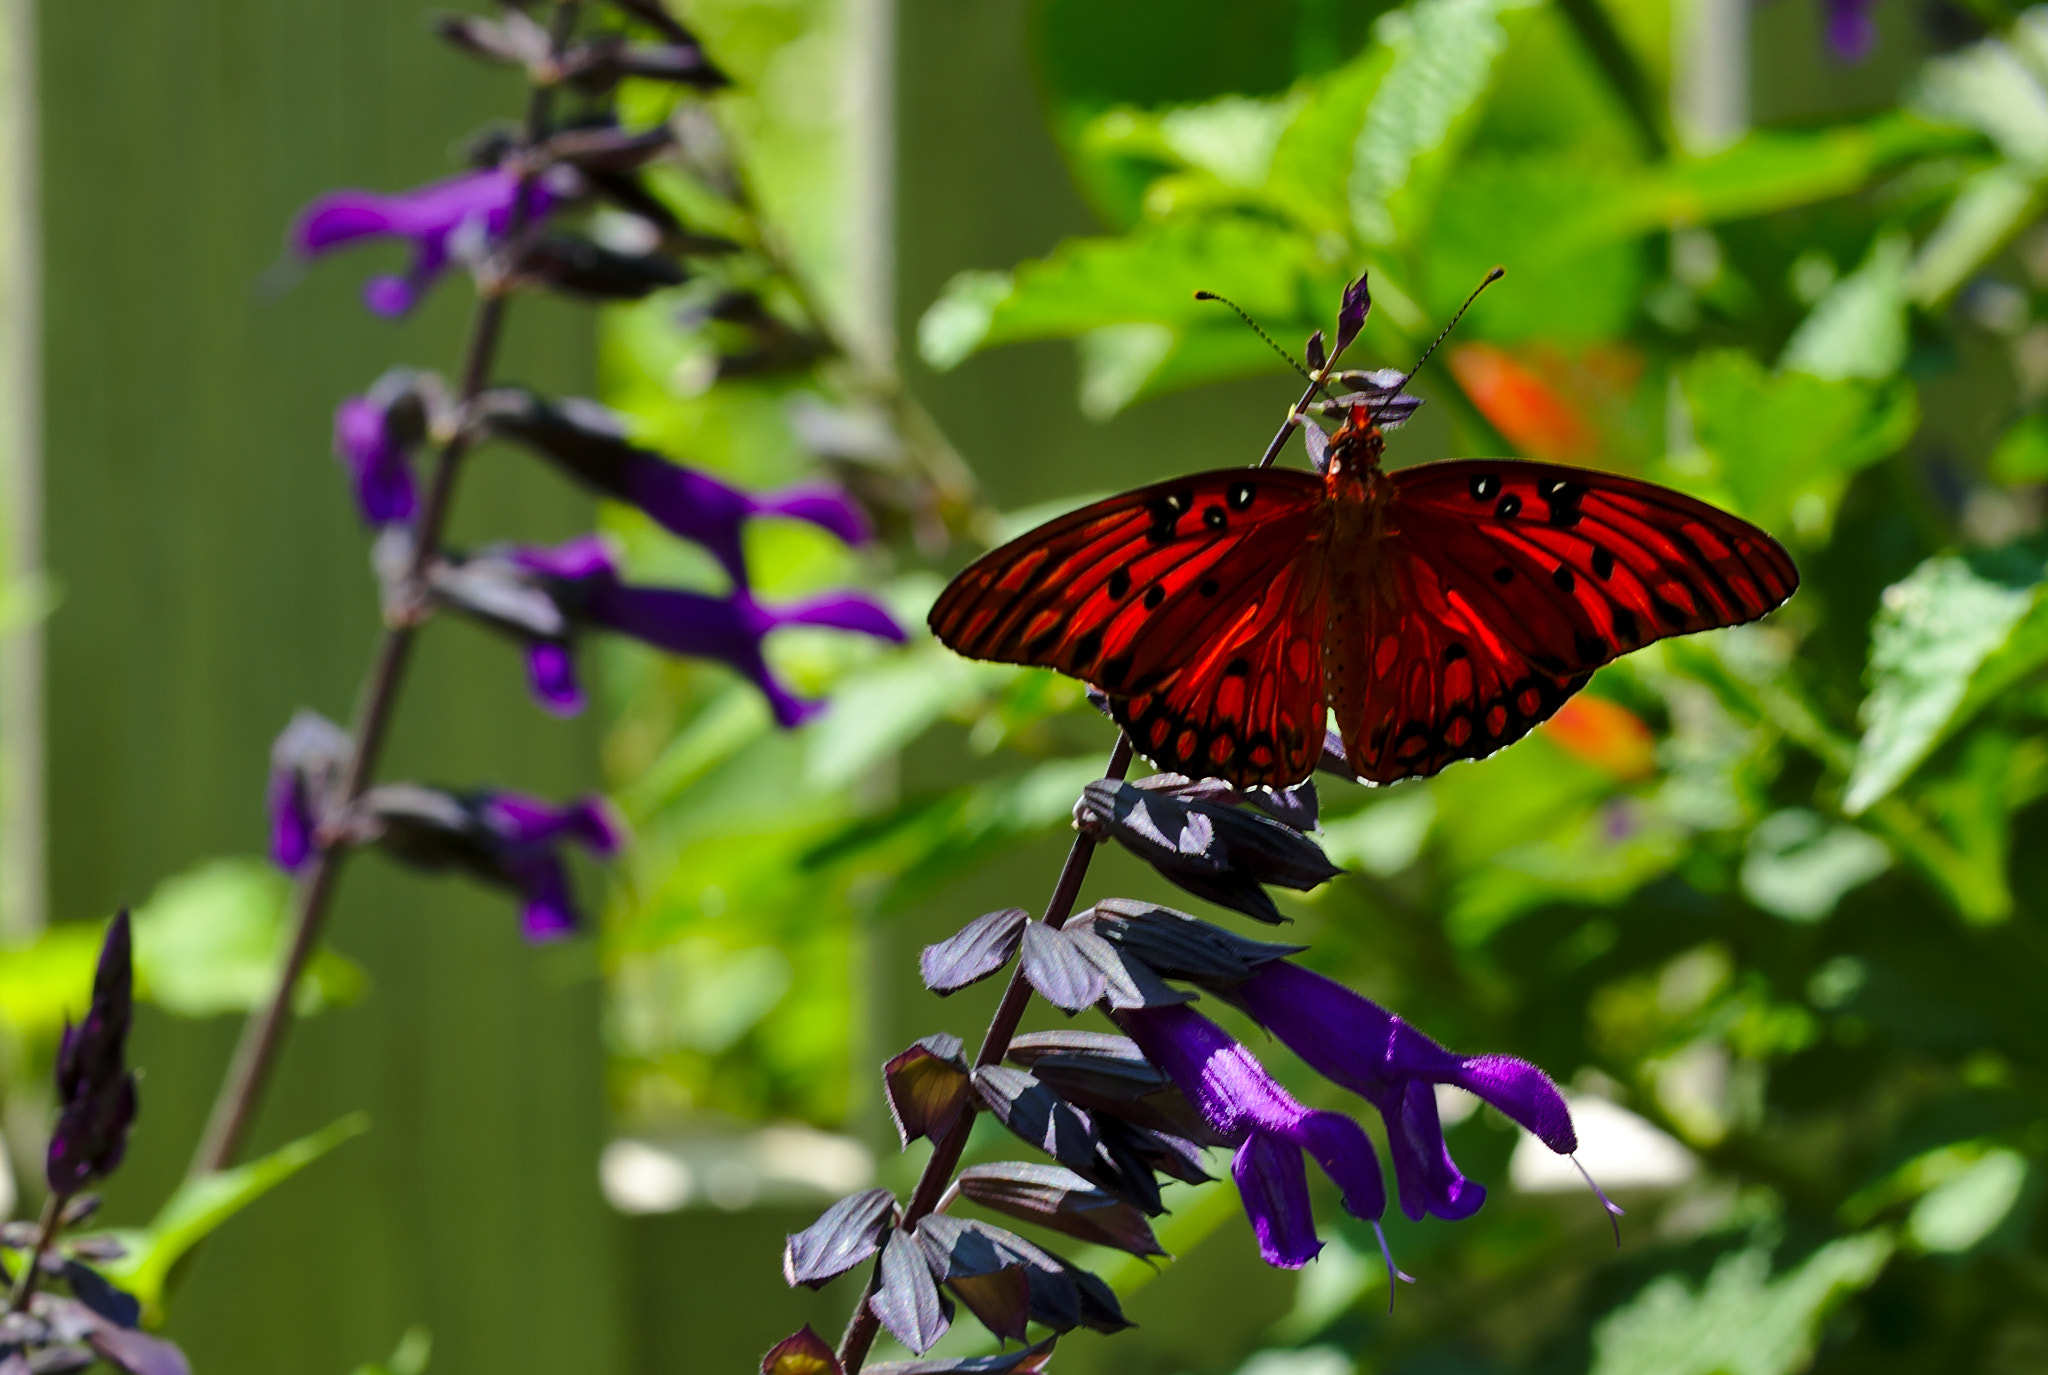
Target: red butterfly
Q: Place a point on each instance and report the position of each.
(1441, 611)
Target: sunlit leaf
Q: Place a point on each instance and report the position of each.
(1859, 328)
(203, 1203)
(1741, 1320)
(1947, 639)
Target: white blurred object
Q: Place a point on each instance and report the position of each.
(1619, 1149)
(6, 1182)
(732, 1170)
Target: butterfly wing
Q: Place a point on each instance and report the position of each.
(1507, 583)
(1195, 604)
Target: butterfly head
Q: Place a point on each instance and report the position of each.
(1356, 447)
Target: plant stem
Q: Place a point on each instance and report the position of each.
(255, 1057)
(25, 1286)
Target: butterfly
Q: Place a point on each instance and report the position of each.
(1441, 611)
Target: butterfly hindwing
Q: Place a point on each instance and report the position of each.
(1124, 592)
(1515, 581)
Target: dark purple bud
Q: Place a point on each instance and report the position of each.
(1038, 1116)
(1054, 1197)
(91, 1288)
(95, 1091)
(1294, 807)
(1333, 759)
(1029, 1360)
(506, 839)
(597, 66)
(927, 1085)
(1214, 851)
(846, 1234)
(1100, 1310)
(79, 1211)
(589, 442)
(1351, 315)
(1179, 946)
(606, 147)
(1055, 966)
(1128, 982)
(992, 1285)
(307, 762)
(972, 1247)
(1317, 355)
(1175, 1154)
(374, 436)
(1378, 391)
(1108, 1077)
(907, 1298)
(803, 1352)
(462, 217)
(137, 1353)
(583, 268)
(974, 952)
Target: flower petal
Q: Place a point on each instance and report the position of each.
(1274, 1186)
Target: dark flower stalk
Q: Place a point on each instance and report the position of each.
(256, 1053)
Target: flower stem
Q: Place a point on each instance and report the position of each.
(241, 1092)
(995, 1043)
(25, 1285)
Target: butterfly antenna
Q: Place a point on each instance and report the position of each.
(1292, 362)
(1491, 278)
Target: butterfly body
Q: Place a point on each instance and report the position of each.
(1440, 611)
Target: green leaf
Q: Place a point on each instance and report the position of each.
(1799, 867)
(1950, 637)
(1780, 449)
(2022, 452)
(1149, 276)
(1859, 328)
(408, 1358)
(1993, 206)
(210, 941)
(1423, 109)
(1989, 88)
(1958, 1213)
(202, 1204)
(1741, 1321)
(49, 978)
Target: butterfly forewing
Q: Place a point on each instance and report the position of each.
(1193, 603)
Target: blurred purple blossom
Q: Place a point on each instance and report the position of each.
(306, 763)
(1852, 32)
(374, 435)
(508, 839)
(443, 221)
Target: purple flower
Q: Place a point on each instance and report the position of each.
(1249, 1109)
(306, 763)
(374, 435)
(95, 1090)
(589, 443)
(1354, 1042)
(504, 838)
(1852, 33)
(549, 596)
(440, 220)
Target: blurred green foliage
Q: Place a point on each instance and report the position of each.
(1775, 891)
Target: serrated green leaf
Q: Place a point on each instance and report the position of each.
(1443, 54)
(1741, 1320)
(202, 1204)
(1948, 638)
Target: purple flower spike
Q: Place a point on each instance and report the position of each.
(95, 1091)
(507, 839)
(1247, 1107)
(430, 217)
(1354, 1042)
(306, 764)
(1852, 33)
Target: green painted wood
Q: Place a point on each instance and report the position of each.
(213, 578)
